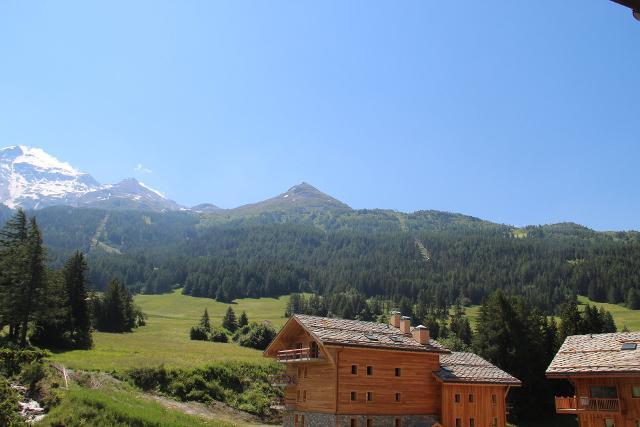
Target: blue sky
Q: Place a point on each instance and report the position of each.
(517, 112)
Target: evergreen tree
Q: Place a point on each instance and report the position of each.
(14, 271)
(244, 320)
(229, 322)
(570, 320)
(34, 284)
(205, 322)
(116, 312)
(75, 281)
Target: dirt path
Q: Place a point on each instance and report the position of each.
(215, 411)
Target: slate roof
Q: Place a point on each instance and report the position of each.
(596, 354)
(354, 333)
(460, 367)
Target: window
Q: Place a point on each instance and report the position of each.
(494, 399)
(458, 398)
(301, 420)
(398, 396)
(609, 422)
(369, 370)
(635, 391)
(472, 422)
(397, 423)
(304, 396)
(298, 396)
(398, 372)
(604, 392)
(472, 398)
(354, 369)
(369, 396)
(353, 422)
(354, 396)
(305, 372)
(458, 422)
(295, 419)
(300, 372)
(369, 422)
(494, 423)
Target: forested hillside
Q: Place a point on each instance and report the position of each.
(437, 257)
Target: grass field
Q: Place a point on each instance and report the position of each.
(621, 315)
(108, 407)
(165, 338)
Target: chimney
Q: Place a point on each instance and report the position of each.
(421, 334)
(405, 325)
(394, 320)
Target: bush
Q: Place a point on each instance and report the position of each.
(31, 374)
(244, 386)
(257, 336)
(8, 405)
(218, 335)
(198, 333)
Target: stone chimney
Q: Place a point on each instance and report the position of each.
(421, 334)
(394, 320)
(405, 325)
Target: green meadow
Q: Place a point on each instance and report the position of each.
(165, 338)
(623, 316)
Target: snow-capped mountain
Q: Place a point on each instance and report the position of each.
(32, 179)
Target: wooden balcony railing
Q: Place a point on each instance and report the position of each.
(567, 405)
(298, 354)
(280, 404)
(283, 380)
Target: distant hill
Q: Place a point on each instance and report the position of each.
(300, 197)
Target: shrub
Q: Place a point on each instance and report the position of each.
(258, 336)
(198, 333)
(218, 335)
(8, 405)
(31, 374)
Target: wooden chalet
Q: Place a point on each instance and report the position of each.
(352, 373)
(604, 370)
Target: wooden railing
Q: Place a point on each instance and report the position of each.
(280, 404)
(297, 354)
(283, 380)
(587, 404)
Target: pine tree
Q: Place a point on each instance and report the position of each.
(34, 284)
(244, 320)
(205, 323)
(14, 268)
(229, 322)
(76, 286)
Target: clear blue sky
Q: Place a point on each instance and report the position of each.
(522, 112)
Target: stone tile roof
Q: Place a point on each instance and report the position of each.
(356, 332)
(460, 367)
(596, 354)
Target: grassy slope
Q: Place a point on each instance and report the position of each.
(113, 408)
(165, 338)
(621, 315)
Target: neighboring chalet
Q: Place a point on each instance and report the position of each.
(604, 370)
(351, 373)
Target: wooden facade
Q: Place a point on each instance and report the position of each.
(474, 404)
(356, 381)
(604, 370)
(603, 401)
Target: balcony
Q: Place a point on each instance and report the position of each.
(282, 404)
(282, 380)
(299, 355)
(572, 405)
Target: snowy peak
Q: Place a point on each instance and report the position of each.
(31, 178)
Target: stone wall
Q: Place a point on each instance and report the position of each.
(315, 419)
